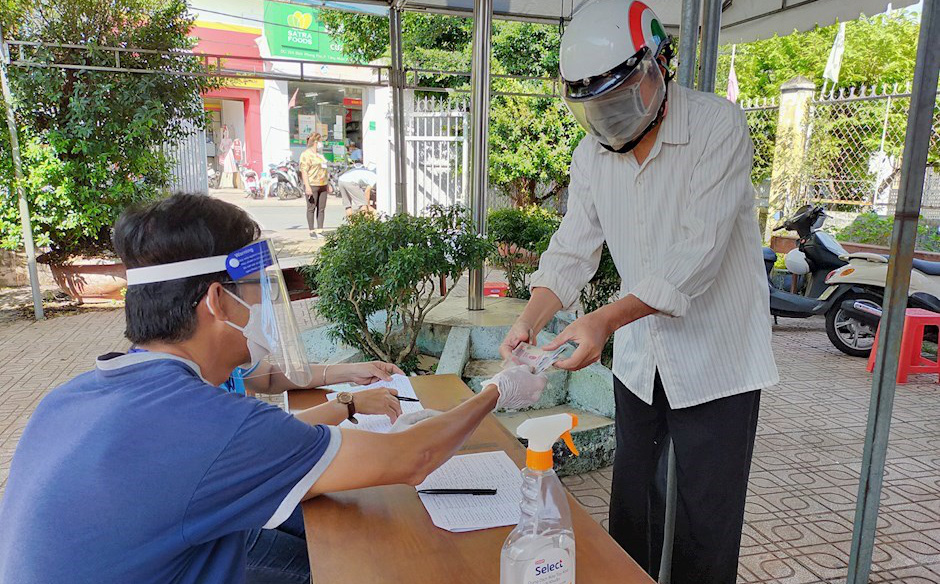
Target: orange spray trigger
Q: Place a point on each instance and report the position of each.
(570, 442)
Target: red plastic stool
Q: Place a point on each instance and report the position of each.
(495, 289)
(911, 361)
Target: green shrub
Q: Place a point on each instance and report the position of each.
(93, 141)
(519, 236)
(393, 264)
(873, 229)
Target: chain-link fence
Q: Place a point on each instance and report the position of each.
(762, 122)
(852, 161)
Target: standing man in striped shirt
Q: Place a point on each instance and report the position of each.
(663, 176)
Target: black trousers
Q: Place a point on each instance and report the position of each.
(714, 442)
(316, 207)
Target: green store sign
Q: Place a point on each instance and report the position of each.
(297, 32)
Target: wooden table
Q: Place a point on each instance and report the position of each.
(384, 534)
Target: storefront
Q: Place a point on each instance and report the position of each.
(271, 120)
(333, 112)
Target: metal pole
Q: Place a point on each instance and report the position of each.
(688, 41)
(480, 124)
(25, 222)
(711, 27)
(913, 167)
(397, 78)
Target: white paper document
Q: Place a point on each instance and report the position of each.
(381, 423)
(486, 470)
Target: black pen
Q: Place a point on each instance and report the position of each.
(457, 491)
(407, 399)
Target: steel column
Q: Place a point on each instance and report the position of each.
(688, 41)
(479, 133)
(397, 78)
(711, 27)
(688, 44)
(913, 167)
(26, 224)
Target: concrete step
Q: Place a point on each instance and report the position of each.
(593, 437)
(556, 392)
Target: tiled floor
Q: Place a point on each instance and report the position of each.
(803, 479)
(807, 459)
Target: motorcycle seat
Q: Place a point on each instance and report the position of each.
(769, 255)
(929, 268)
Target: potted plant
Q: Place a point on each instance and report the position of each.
(377, 278)
(93, 141)
(519, 236)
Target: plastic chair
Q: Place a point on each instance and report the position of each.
(911, 361)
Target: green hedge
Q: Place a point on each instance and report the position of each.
(873, 229)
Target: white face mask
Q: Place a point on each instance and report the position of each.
(259, 343)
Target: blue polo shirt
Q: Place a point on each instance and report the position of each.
(141, 471)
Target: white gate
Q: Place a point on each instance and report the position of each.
(437, 138)
(188, 156)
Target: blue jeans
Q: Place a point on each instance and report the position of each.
(279, 556)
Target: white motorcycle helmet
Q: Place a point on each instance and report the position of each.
(613, 81)
(796, 262)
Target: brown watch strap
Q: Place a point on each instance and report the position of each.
(351, 407)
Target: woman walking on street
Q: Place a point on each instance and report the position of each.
(316, 175)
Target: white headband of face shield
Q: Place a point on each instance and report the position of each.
(176, 270)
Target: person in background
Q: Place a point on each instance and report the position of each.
(355, 154)
(144, 471)
(663, 176)
(316, 176)
(357, 188)
(226, 156)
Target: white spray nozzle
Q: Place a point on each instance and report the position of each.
(542, 433)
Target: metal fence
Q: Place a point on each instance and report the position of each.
(762, 121)
(188, 156)
(852, 161)
(437, 136)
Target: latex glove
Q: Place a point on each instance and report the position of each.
(518, 387)
(406, 421)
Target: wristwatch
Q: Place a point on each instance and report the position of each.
(346, 398)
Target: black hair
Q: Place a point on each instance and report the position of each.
(180, 227)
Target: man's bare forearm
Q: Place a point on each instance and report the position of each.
(624, 311)
(442, 435)
(542, 306)
(331, 414)
(366, 459)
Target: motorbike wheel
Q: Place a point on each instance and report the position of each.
(285, 192)
(847, 334)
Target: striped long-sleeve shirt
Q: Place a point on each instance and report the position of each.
(683, 233)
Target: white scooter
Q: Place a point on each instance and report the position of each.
(862, 282)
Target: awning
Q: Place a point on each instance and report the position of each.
(742, 20)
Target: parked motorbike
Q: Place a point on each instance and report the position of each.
(870, 315)
(214, 177)
(815, 256)
(286, 182)
(854, 280)
(250, 182)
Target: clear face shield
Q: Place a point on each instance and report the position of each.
(618, 106)
(256, 282)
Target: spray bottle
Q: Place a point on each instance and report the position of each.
(540, 550)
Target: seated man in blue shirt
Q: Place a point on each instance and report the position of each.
(144, 471)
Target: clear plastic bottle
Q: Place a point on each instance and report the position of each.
(541, 549)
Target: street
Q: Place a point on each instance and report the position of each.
(285, 222)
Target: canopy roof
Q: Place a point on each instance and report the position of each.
(741, 20)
